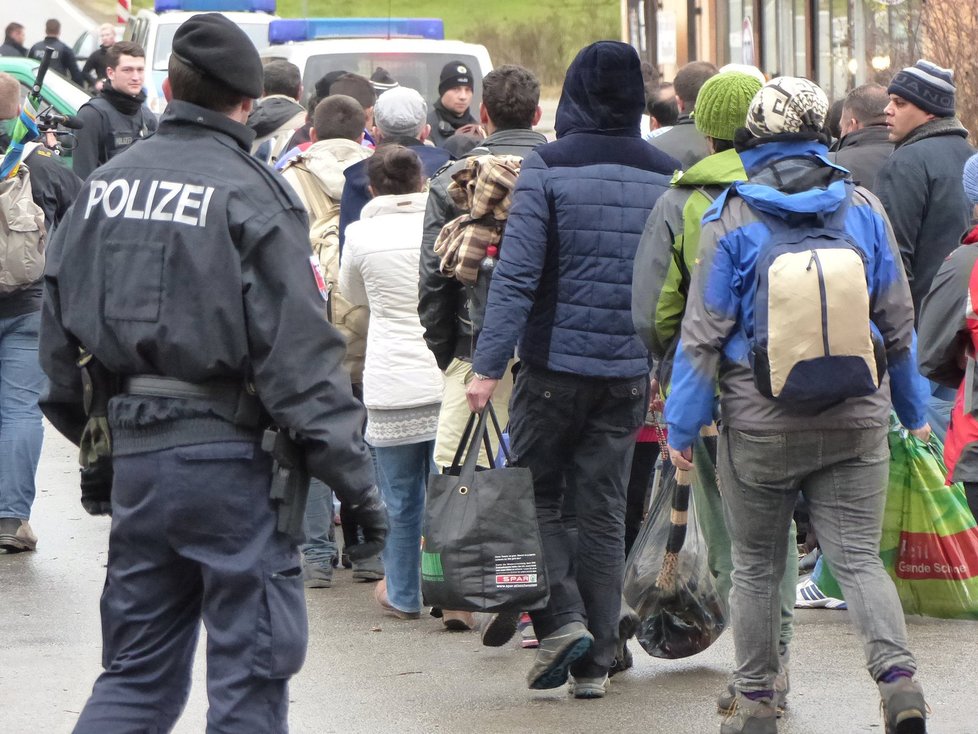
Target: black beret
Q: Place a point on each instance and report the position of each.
(216, 47)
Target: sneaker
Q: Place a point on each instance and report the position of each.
(457, 621)
(809, 596)
(16, 535)
(498, 629)
(557, 652)
(380, 595)
(727, 699)
(345, 561)
(589, 687)
(369, 569)
(315, 576)
(528, 637)
(782, 686)
(904, 709)
(751, 717)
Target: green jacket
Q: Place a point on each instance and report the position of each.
(668, 252)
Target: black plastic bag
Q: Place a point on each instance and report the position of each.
(667, 577)
(481, 549)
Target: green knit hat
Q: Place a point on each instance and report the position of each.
(722, 104)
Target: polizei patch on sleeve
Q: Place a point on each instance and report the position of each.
(156, 201)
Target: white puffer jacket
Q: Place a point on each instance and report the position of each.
(379, 268)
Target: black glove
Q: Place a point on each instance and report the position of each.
(370, 514)
(96, 487)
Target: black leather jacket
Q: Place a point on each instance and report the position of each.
(443, 301)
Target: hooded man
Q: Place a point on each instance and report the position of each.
(562, 291)
(773, 444)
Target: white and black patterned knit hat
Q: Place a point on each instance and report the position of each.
(787, 104)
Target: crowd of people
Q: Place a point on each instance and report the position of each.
(615, 276)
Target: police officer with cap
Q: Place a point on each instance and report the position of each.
(450, 113)
(181, 283)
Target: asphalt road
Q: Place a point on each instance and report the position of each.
(374, 674)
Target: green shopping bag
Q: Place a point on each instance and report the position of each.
(929, 544)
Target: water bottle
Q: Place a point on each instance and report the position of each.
(488, 263)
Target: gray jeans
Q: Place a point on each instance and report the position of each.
(843, 476)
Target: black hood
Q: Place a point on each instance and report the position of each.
(603, 92)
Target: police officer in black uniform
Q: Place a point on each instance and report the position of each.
(117, 116)
(184, 270)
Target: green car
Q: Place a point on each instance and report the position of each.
(63, 96)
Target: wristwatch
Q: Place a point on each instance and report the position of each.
(477, 376)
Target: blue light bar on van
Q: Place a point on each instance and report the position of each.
(307, 29)
(216, 6)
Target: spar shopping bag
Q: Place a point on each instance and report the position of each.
(667, 577)
(929, 544)
(481, 550)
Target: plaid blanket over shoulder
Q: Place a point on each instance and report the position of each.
(483, 189)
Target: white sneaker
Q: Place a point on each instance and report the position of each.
(809, 596)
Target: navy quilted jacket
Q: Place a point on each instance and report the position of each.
(562, 287)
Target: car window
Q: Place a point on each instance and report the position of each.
(257, 32)
(414, 70)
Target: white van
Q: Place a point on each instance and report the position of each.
(154, 29)
(412, 50)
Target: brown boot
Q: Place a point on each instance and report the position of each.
(458, 621)
(16, 535)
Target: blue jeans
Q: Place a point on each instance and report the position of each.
(21, 432)
(843, 475)
(320, 547)
(403, 476)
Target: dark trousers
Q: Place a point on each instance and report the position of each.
(193, 538)
(639, 484)
(576, 435)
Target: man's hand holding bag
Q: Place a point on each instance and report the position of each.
(481, 548)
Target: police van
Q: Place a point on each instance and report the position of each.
(154, 29)
(412, 50)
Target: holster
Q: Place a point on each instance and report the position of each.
(98, 387)
(290, 482)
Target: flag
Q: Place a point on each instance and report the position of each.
(25, 129)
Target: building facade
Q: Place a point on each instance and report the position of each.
(837, 43)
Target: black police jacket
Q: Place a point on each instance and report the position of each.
(107, 131)
(186, 257)
(63, 59)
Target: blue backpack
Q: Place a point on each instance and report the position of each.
(814, 343)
